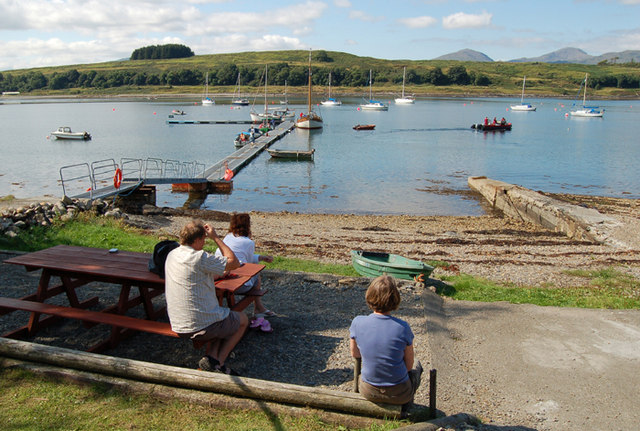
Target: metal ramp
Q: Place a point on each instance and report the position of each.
(97, 181)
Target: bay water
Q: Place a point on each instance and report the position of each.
(416, 161)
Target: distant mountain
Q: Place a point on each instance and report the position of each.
(564, 55)
(618, 57)
(465, 55)
(578, 56)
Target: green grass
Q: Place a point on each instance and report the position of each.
(607, 288)
(32, 402)
(604, 288)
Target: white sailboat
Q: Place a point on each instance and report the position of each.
(373, 105)
(330, 100)
(310, 120)
(206, 100)
(587, 111)
(405, 100)
(276, 114)
(237, 99)
(523, 106)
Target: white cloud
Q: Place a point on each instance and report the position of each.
(418, 21)
(342, 3)
(363, 16)
(464, 20)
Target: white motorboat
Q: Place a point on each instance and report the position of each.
(310, 120)
(65, 132)
(373, 105)
(587, 111)
(523, 106)
(405, 100)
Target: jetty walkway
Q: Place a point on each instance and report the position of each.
(96, 181)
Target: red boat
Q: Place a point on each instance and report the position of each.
(364, 127)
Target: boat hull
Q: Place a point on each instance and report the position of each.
(364, 127)
(79, 136)
(331, 103)
(589, 113)
(374, 107)
(292, 154)
(310, 121)
(405, 101)
(523, 108)
(374, 264)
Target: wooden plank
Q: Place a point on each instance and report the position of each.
(200, 380)
(118, 320)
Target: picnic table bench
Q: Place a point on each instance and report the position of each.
(78, 266)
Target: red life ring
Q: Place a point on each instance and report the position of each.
(117, 178)
(228, 174)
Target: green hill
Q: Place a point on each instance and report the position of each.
(350, 75)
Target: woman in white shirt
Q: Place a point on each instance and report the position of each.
(239, 241)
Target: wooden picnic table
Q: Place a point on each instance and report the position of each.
(77, 266)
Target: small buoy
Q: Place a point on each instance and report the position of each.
(555, 109)
(566, 114)
(114, 109)
(154, 113)
(464, 104)
(506, 109)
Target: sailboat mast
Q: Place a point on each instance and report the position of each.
(329, 85)
(265, 90)
(522, 97)
(309, 95)
(584, 97)
(370, 83)
(404, 73)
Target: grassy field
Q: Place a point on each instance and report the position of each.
(609, 288)
(543, 79)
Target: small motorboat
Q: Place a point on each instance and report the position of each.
(178, 112)
(373, 264)
(364, 127)
(65, 132)
(492, 127)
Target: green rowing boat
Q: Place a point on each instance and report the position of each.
(373, 264)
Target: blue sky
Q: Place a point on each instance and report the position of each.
(37, 33)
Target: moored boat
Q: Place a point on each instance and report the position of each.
(178, 112)
(310, 120)
(291, 154)
(330, 100)
(587, 111)
(65, 132)
(364, 127)
(523, 106)
(405, 99)
(373, 264)
(373, 105)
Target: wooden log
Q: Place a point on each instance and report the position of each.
(195, 379)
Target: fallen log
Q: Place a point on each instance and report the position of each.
(194, 379)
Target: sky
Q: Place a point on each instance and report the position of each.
(36, 33)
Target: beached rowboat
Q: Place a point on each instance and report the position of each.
(373, 264)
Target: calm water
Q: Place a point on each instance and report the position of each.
(416, 161)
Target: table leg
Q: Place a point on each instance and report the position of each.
(43, 285)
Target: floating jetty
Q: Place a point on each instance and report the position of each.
(175, 121)
(577, 222)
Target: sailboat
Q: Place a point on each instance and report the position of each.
(523, 106)
(206, 100)
(331, 101)
(268, 115)
(310, 120)
(373, 105)
(405, 100)
(587, 111)
(237, 99)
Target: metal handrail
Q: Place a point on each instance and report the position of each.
(86, 176)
